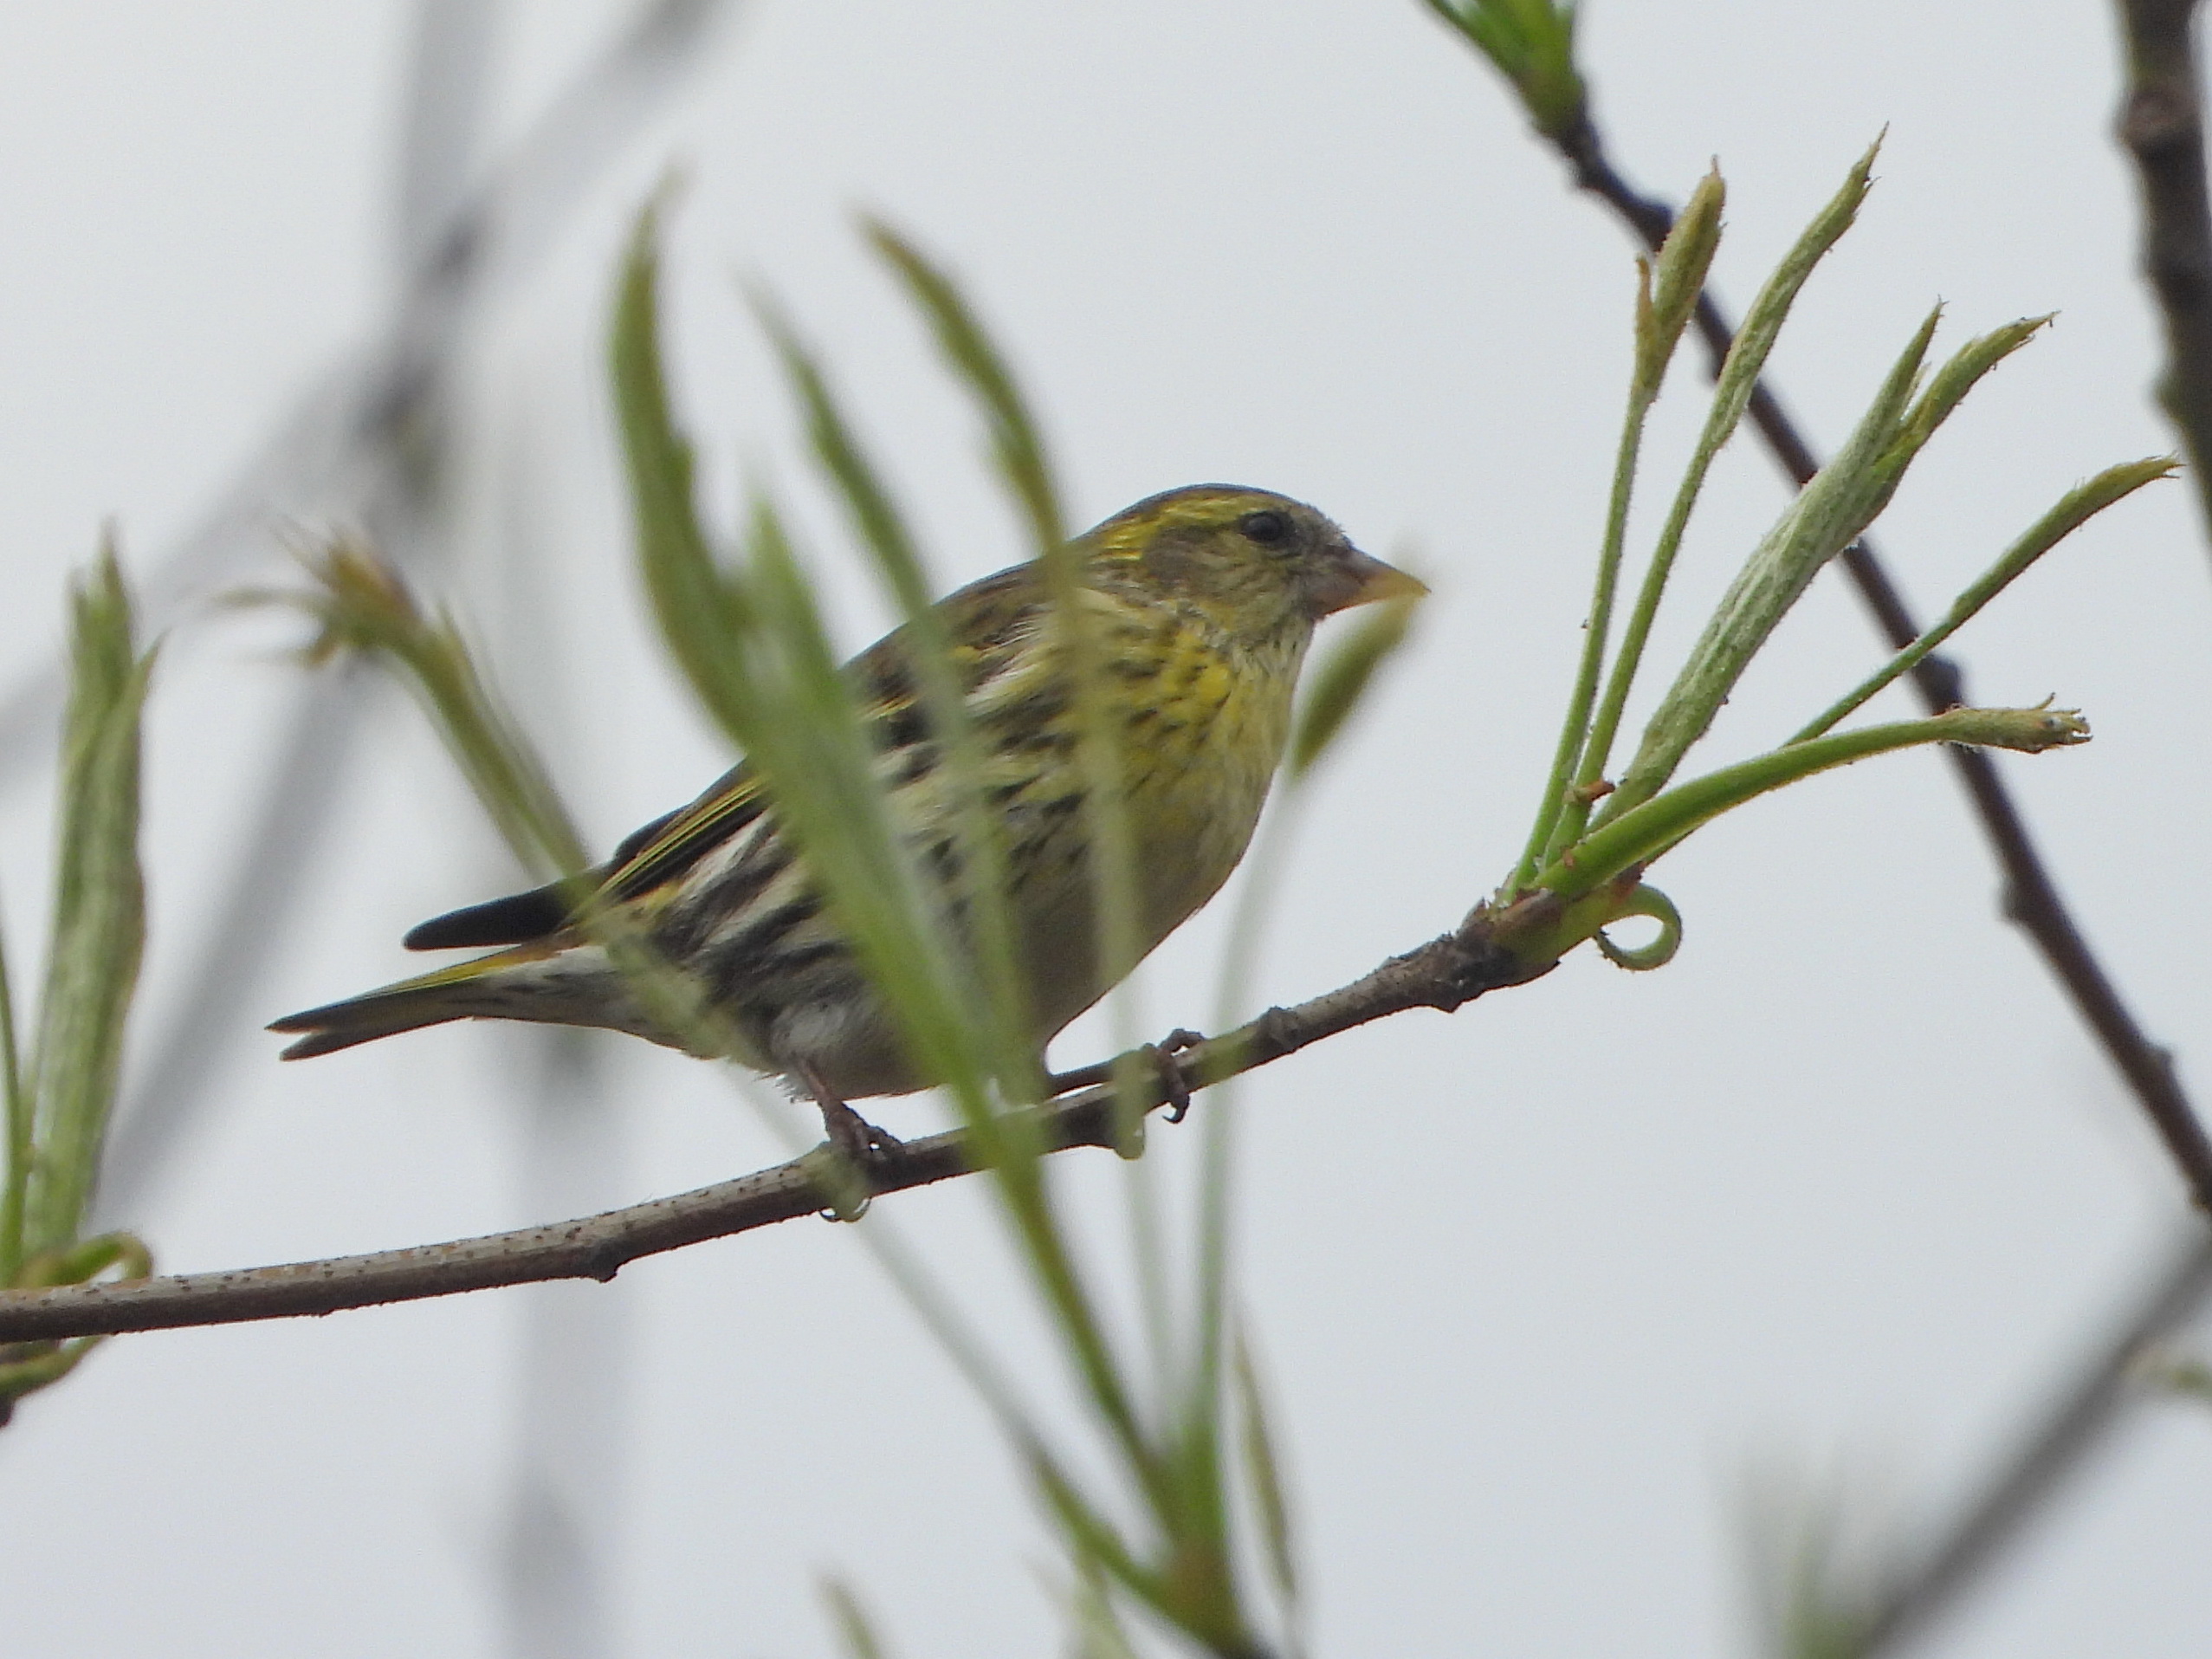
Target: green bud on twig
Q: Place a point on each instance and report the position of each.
(1754, 338)
(1668, 295)
(1559, 827)
(1531, 44)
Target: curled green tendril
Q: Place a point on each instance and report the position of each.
(1646, 901)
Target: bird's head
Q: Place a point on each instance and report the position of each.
(1251, 560)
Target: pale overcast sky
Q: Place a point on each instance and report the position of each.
(1549, 1290)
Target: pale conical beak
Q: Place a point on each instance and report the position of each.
(1350, 578)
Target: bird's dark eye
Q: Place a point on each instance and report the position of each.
(1267, 527)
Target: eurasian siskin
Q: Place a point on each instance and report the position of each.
(1200, 604)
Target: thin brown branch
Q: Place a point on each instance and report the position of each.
(1443, 973)
(2031, 898)
(2162, 125)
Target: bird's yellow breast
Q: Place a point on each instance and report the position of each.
(1198, 772)
(1199, 721)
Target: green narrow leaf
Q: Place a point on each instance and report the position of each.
(808, 767)
(1088, 1535)
(1019, 449)
(2074, 510)
(701, 613)
(1739, 379)
(1199, 1522)
(1339, 682)
(40, 1369)
(1950, 383)
(1191, 1594)
(2184, 1378)
(88, 1259)
(898, 561)
(1662, 310)
(19, 1128)
(1637, 837)
(1668, 297)
(1020, 452)
(821, 775)
(756, 653)
(1264, 1469)
(790, 709)
(855, 1630)
(1645, 901)
(1099, 1633)
(1824, 518)
(1664, 303)
(1818, 1571)
(1770, 308)
(364, 605)
(27, 1367)
(1016, 445)
(1531, 44)
(883, 527)
(98, 929)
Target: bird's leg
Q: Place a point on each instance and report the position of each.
(1162, 1056)
(1172, 1079)
(850, 1132)
(1082, 1077)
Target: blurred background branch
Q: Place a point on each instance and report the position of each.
(2161, 126)
(367, 451)
(2030, 1477)
(373, 446)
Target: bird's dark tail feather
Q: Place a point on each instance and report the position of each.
(341, 1025)
(459, 992)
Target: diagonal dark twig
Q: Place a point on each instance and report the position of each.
(2076, 1419)
(331, 451)
(178, 1063)
(1444, 973)
(436, 166)
(2161, 126)
(2031, 898)
(361, 449)
(2057, 1446)
(450, 68)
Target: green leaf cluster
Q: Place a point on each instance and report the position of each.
(1183, 1427)
(1594, 836)
(744, 628)
(59, 1097)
